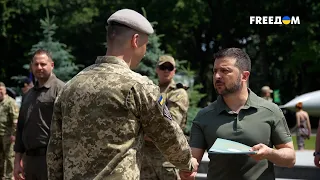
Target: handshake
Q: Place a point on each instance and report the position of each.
(190, 175)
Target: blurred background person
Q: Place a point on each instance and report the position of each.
(8, 120)
(154, 164)
(266, 93)
(303, 126)
(316, 153)
(25, 86)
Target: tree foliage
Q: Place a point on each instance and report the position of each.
(188, 77)
(286, 57)
(64, 69)
(148, 64)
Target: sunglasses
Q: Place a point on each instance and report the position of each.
(169, 68)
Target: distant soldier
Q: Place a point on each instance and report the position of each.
(266, 93)
(8, 119)
(155, 165)
(25, 86)
(103, 113)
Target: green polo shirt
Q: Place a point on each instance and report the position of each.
(259, 121)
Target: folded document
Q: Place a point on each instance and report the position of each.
(224, 146)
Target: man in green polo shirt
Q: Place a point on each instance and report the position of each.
(240, 115)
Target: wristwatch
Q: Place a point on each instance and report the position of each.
(316, 153)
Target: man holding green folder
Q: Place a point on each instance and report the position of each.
(240, 115)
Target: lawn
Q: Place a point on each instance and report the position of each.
(309, 143)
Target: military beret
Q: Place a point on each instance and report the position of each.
(131, 19)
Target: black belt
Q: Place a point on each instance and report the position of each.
(37, 152)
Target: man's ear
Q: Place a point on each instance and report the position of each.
(157, 70)
(245, 75)
(134, 40)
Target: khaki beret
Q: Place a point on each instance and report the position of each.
(131, 19)
(166, 58)
(2, 84)
(266, 89)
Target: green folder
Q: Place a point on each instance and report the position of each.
(224, 146)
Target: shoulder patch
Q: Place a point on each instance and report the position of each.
(16, 109)
(166, 112)
(161, 100)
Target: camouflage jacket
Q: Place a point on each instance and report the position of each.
(8, 116)
(99, 120)
(177, 101)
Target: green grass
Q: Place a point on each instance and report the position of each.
(309, 143)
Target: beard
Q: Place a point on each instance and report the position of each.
(234, 87)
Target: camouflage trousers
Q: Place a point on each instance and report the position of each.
(154, 165)
(6, 157)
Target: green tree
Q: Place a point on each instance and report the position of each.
(148, 64)
(64, 69)
(187, 76)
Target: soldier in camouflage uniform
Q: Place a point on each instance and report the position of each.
(266, 93)
(102, 114)
(155, 166)
(8, 119)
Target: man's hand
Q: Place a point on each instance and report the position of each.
(317, 161)
(18, 172)
(263, 152)
(187, 175)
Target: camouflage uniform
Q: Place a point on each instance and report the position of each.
(8, 115)
(268, 98)
(155, 166)
(99, 121)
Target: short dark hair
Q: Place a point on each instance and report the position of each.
(42, 51)
(243, 61)
(116, 29)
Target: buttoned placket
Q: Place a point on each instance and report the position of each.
(237, 127)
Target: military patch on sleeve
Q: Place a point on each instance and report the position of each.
(16, 109)
(161, 100)
(166, 112)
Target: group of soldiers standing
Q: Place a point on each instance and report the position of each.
(30, 141)
(109, 122)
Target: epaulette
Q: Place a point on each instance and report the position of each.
(180, 85)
